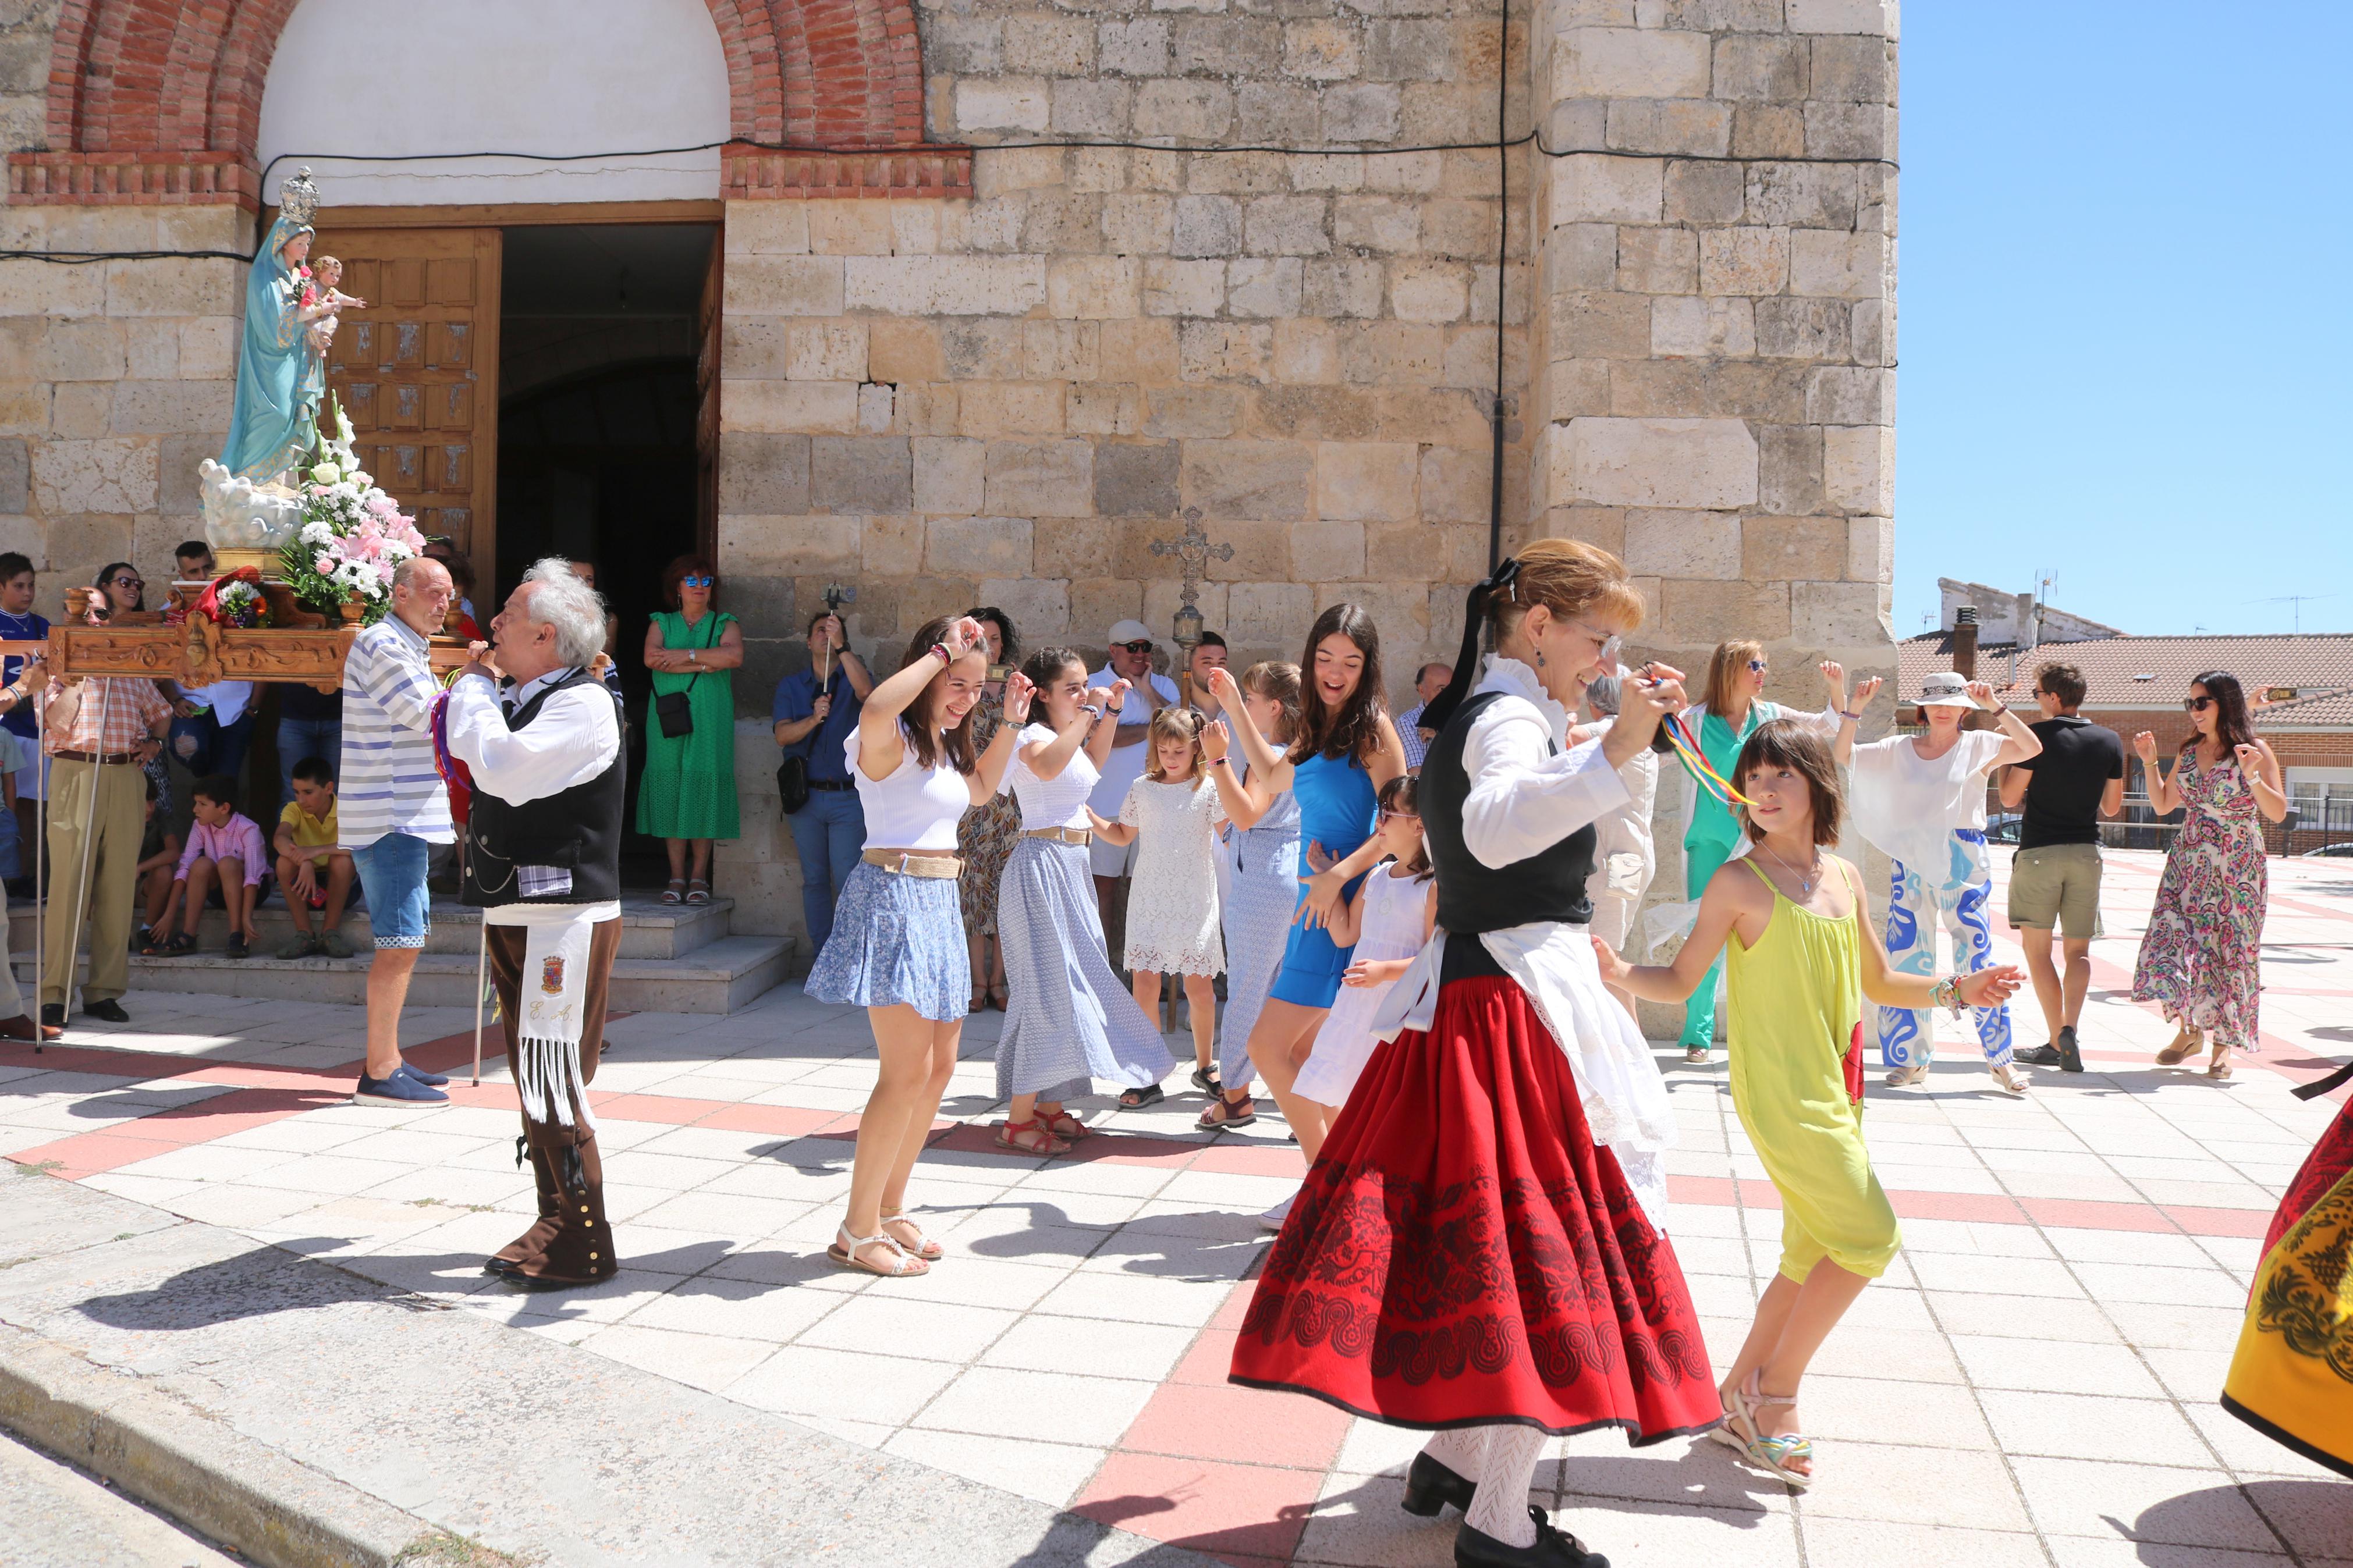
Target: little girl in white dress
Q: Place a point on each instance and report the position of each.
(1389, 920)
(1172, 908)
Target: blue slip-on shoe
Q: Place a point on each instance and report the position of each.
(435, 1079)
(399, 1088)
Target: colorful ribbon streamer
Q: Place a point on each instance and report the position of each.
(1695, 763)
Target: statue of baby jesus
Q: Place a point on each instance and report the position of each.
(321, 299)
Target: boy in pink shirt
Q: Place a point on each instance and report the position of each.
(224, 848)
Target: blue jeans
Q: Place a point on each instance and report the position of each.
(206, 746)
(300, 738)
(830, 832)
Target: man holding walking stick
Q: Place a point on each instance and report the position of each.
(99, 733)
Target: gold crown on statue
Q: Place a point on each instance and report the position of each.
(297, 198)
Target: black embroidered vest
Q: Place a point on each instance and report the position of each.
(1473, 896)
(578, 829)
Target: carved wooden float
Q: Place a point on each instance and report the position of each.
(303, 649)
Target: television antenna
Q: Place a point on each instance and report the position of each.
(2297, 601)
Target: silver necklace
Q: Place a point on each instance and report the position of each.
(1805, 883)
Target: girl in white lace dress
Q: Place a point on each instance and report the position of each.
(1388, 922)
(1172, 912)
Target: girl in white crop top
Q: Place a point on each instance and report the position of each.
(897, 947)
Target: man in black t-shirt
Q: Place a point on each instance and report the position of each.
(2054, 879)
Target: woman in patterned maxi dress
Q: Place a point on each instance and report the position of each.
(985, 837)
(2200, 957)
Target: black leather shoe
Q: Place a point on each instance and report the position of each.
(2070, 1060)
(1430, 1486)
(109, 1010)
(1553, 1549)
(53, 1015)
(2039, 1057)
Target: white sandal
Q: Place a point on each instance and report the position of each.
(1770, 1455)
(2009, 1080)
(1905, 1077)
(845, 1248)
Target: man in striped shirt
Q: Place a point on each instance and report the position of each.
(394, 808)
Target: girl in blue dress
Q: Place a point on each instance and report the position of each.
(1344, 751)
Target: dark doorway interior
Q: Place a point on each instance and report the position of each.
(597, 426)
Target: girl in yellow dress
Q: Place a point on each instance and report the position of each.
(1803, 955)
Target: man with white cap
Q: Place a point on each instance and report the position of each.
(1131, 660)
(1922, 800)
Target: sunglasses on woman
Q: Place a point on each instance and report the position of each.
(692, 582)
(1756, 666)
(2196, 704)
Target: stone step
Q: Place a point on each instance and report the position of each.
(718, 977)
(650, 929)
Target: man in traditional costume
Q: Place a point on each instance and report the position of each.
(544, 868)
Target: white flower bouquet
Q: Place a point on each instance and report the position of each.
(354, 537)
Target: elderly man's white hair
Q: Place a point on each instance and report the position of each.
(575, 610)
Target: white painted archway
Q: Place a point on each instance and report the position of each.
(513, 75)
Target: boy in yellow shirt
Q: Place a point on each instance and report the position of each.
(307, 854)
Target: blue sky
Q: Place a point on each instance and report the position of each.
(2124, 347)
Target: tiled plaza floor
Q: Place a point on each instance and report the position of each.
(2033, 1382)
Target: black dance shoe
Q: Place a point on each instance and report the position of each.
(1553, 1549)
(1430, 1486)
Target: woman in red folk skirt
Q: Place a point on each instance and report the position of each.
(1478, 1249)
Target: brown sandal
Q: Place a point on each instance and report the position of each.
(2219, 1069)
(2185, 1045)
(1030, 1137)
(1221, 1113)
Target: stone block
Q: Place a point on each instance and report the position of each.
(1699, 464)
(754, 543)
(1269, 614)
(1201, 111)
(1581, 255)
(1770, 391)
(783, 286)
(1872, 336)
(30, 287)
(807, 407)
(1430, 290)
(1837, 394)
(1628, 62)
(1602, 326)
(958, 46)
(763, 472)
(1041, 478)
(26, 408)
(861, 474)
(1223, 351)
(767, 228)
(1306, 354)
(1696, 126)
(1588, 188)
(1351, 288)
(1871, 548)
(1840, 614)
(1700, 612)
(1231, 47)
(1049, 46)
(1877, 17)
(1802, 196)
(948, 475)
(1322, 49)
(1264, 287)
(1658, 260)
(986, 285)
(1139, 351)
(1009, 408)
(983, 350)
(1788, 328)
(1688, 326)
(82, 410)
(850, 227)
(1793, 549)
(1668, 543)
(1137, 224)
(889, 546)
(16, 476)
(1790, 468)
(904, 350)
(1768, 130)
(1454, 485)
(1255, 480)
(1367, 481)
(1097, 601)
(825, 351)
(1103, 408)
(1461, 229)
(1206, 226)
(1191, 411)
(1286, 225)
(1602, 526)
(1091, 107)
(1850, 129)
(1704, 193)
(1376, 223)
(151, 348)
(1853, 70)
(1060, 223)
(1761, 67)
(1858, 468)
(170, 407)
(1316, 413)
(79, 347)
(977, 546)
(1743, 260)
(208, 346)
(1279, 114)
(1401, 50)
(1070, 548)
(1327, 551)
(173, 287)
(1839, 266)
(1361, 112)
(1394, 353)
(1006, 103)
(1039, 607)
(1136, 48)
(1576, 386)
(112, 477)
(1059, 350)
(1137, 478)
(1093, 288)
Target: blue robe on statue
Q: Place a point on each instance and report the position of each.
(275, 421)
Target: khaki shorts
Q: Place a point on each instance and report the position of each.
(2057, 887)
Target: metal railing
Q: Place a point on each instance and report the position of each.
(2311, 827)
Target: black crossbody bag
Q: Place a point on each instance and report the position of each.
(674, 710)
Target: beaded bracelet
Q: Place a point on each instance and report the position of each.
(1947, 993)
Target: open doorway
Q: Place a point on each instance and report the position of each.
(599, 336)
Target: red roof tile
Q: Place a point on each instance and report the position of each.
(2328, 710)
(2144, 672)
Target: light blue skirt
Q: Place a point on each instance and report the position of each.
(896, 939)
(1068, 1022)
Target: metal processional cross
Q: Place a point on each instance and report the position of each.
(1195, 551)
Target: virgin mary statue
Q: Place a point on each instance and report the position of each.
(275, 421)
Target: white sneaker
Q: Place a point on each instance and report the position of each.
(1272, 1218)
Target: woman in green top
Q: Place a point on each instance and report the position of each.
(1804, 956)
(686, 797)
(1730, 709)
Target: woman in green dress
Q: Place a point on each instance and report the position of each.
(686, 798)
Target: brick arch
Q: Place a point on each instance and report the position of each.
(161, 100)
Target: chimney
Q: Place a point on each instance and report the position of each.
(2030, 624)
(1965, 642)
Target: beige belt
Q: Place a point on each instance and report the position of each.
(916, 863)
(1080, 835)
